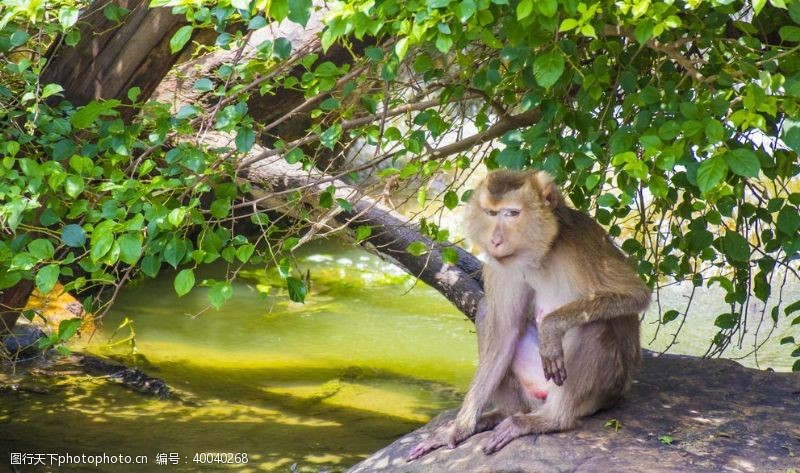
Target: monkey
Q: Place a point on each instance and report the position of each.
(558, 331)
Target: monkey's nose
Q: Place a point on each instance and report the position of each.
(497, 241)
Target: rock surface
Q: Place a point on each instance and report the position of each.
(720, 415)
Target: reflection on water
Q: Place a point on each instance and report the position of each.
(369, 357)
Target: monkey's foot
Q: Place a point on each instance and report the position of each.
(512, 427)
(425, 447)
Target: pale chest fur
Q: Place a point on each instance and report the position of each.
(553, 286)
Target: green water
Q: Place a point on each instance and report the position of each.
(369, 357)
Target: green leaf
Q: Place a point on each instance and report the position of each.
(180, 38)
(47, 277)
(326, 200)
(363, 232)
(791, 308)
(331, 136)
(297, 289)
(130, 248)
(568, 25)
(735, 246)
(715, 131)
(279, 9)
(444, 42)
(449, 256)
(282, 48)
(244, 252)
(9, 278)
(548, 67)
(294, 156)
(465, 10)
(175, 250)
(669, 316)
(345, 205)
(758, 5)
(790, 33)
(524, 9)
(401, 48)
(18, 38)
(743, 162)
(438, 3)
(220, 292)
(68, 16)
(221, 208)
(133, 93)
(68, 328)
(151, 265)
(547, 8)
(245, 139)
(184, 282)
(203, 85)
(417, 248)
(41, 249)
(451, 200)
(300, 11)
(726, 321)
(101, 242)
(51, 89)
(710, 173)
(788, 220)
(241, 4)
(86, 115)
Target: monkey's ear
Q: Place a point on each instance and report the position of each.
(548, 189)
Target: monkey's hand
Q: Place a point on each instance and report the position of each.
(552, 351)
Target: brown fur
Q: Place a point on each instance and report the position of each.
(559, 263)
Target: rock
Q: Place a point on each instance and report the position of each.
(720, 416)
(23, 342)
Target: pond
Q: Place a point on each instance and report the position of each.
(371, 356)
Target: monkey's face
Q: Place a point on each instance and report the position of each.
(509, 218)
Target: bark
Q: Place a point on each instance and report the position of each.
(112, 57)
(391, 232)
(12, 301)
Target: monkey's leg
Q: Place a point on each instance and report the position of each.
(440, 437)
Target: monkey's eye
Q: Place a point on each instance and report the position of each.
(511, 212)
(490, 212)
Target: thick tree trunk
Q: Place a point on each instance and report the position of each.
(12, 301)
(112, 57)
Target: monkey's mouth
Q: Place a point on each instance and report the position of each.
(503, 258)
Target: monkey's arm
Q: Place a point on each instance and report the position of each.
(601, 306)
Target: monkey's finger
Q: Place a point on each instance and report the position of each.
(415, 453)
(562, 370)
(546, 368)
(422, 449)
(554, 373)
